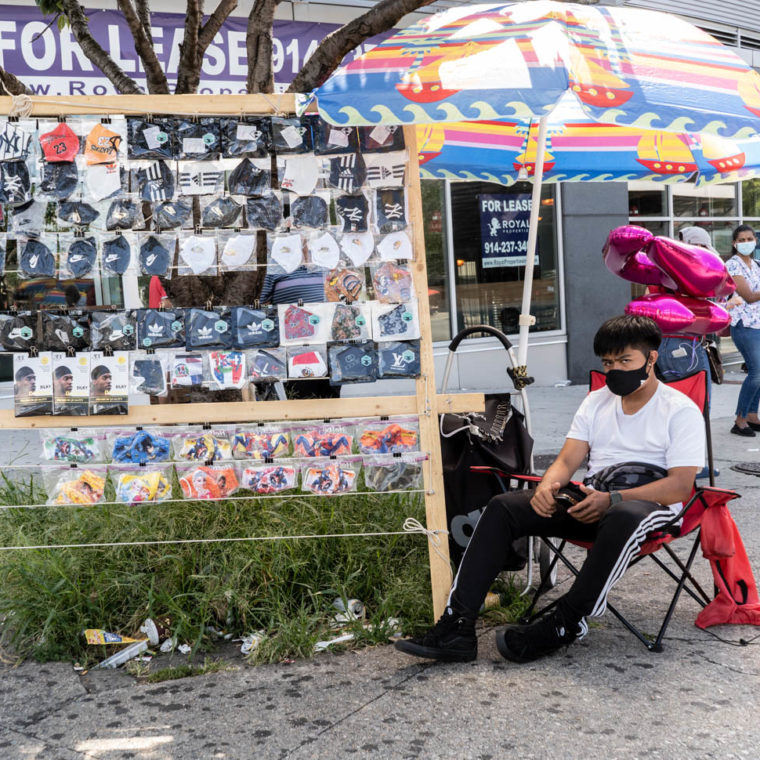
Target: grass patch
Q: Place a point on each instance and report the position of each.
(284, 587)
(186, 671)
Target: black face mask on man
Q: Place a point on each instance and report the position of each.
(625, 381)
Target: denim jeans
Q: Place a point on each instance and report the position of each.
(747, 340)
(690, 357)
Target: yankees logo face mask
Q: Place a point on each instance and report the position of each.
(353, 211)
(14, 142)
(390, 210)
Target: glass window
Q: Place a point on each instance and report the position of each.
(720, 232)
(751, 197)
(647, 199)
(433, 193)
(490, 234)
(713, 200)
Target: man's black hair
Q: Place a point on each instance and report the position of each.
(627, 331)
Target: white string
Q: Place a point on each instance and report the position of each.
(410, 526)
(21, 105)
(279, 496)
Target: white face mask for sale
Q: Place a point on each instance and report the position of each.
(287, 252)
(238, 251)
(103, 180)
(358, 246)
(301, 174)
(397, 245)
(324, 251)
(199, 253)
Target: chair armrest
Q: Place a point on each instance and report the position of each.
(706, 496)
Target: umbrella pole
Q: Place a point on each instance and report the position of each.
(526, 319)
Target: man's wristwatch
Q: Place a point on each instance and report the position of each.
(615, 498)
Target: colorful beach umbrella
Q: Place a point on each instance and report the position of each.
(579, 149)
(626, 67)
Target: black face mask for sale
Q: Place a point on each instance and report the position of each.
(623, 382)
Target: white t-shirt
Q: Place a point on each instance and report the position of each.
(668, 431)
(748, 313)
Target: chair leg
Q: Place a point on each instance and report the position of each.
(703, 599)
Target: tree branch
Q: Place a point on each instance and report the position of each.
(123, 83)
(214, 23)
(154, 73)
(258, 43)
(188, 74)
(327, 57)
(13, 85)
(143, 13)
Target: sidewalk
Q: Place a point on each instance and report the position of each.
(605, 697)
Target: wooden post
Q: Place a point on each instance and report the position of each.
(427, 399)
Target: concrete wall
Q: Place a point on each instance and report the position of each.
(592, 293)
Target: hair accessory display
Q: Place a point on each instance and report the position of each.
(267, 479)
(208, 481)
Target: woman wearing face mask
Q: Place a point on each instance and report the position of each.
(745, 326)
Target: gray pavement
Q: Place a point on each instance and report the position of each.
(605, 697)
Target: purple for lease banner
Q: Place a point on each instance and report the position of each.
(51, 63)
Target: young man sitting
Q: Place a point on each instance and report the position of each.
(645, 443)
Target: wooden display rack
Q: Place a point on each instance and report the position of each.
(426, 402)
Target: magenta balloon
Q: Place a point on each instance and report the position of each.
(622, 243)
(669, 313)
(639, 268)
(696, 271)
(710, 317)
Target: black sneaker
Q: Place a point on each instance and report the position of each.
(747, 432)
(451, 639)
(525, 643)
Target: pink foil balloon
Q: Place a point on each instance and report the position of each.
(624, 257)
(710, 317)
(696, 271)
(669, 313)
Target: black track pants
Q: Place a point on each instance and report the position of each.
(617, 538)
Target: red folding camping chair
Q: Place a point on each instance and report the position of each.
(685, 524)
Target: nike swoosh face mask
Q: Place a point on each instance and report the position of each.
(221, 212)
(123, 214)
(37, 260)
(156, 254)
(81, 256)
(169, 215)
(116, 255)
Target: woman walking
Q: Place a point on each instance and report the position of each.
(745, 326)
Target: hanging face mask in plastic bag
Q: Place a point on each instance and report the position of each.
(59, 144)
(247, 136)
(81, 255)
(198, 140)
(37, 259)
(252, 328)
(159, 328)
(58, 181)
(124, 214)
(353, 363)
(227, 369)
(150, 139)
(186, 370)
(324, 251)
(198, 254)
(386, 169)
(287, 252)
(102, 181)
(198, 178)
(101, 146)
(309, 211)
(15, 183)
(350, 322)
(264, 213)
(154, 181)
(399, 359)
(18, 332)
(392, 283)
(113, 330)
(238, 252)
(221, 212)
(353, 212)
(268, 364)
(290, 135)
(116, 255)
(393, 322)
(29, 217)
(382, 137)
(307, 362)
(299, 174)
(330, 138)
(358, 246)
(344, 285)
(208, 329)
(395, 246)
(148, 373)
(390, 209)
(347, 173)
(252, 176)
(169, 215)
(14, 142)
(61, 332)
(156, 254)
(77, 213)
